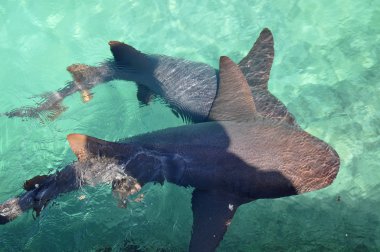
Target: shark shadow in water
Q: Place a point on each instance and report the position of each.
(189, 88)
(237, 157)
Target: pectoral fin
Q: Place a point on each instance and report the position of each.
(212, 214)
(144, 94)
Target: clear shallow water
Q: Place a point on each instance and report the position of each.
(325, 70)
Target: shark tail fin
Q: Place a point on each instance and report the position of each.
(257, 64)
(55, 111)
(85, 147)
(42, 112)
(233, 99)
(4, 220)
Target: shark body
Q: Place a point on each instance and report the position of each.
(188, 87)
(238, 156)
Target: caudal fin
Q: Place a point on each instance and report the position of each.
(43, 111)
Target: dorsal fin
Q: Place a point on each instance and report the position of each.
(233, 99)
(80, 72)
(85, 147)
(126, 55)
(257, 64)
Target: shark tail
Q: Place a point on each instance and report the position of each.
(30, 199)
(10, 210)
(55, 111)
(45, 110)
(14, 207)
(39, 191)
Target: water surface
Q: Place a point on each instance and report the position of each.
(326, 70)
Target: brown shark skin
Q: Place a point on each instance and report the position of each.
(229, 163)
(256, 66)
(265, 151)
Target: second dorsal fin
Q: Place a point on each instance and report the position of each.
(85, 147)
(233, 99)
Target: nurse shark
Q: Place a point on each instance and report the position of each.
(237, 157)
(188, 87)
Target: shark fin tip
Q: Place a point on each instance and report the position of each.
(266, 29)
(114, 43)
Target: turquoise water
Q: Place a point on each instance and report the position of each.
(325, 70)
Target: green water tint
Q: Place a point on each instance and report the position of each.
(325, 71)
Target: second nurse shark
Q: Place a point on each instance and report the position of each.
(189, 88)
